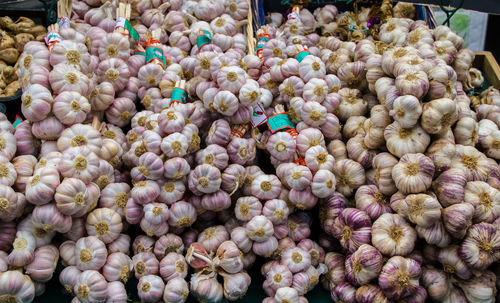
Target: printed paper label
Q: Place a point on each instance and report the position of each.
(278, 122)
(178, 95)
(258, 116)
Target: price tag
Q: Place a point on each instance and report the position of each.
(179, 95)
(301, 55)
(124, 23)
(63, 22)
(293, 15)
(52, 38)
(278, 122)
(17, 121)
(203, 39)
(258, 116)
(156, 54)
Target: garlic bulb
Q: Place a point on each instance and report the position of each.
(413, 173)
(391, 235)
(479, 248)
(349, 175)
(363, 265)
(438, 115)
(485, 199)
(400, 277)
(401, 141)
(406, 111)
(353, 228)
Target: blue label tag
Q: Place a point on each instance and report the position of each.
(178, 95)
(278, 122)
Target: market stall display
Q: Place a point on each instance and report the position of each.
(165, 146)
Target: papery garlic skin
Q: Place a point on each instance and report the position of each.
(400, 277)
(363, 265)
(406, 110)
(16, 287)
(401, 141)
(485, 199)
(480, 246)
(413, 173)
(391, 235)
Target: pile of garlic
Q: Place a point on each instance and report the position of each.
(391, 117)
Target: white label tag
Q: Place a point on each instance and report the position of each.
(64, 22)
(258, 116)
(120, 22)
(294, 15)
(51, 38)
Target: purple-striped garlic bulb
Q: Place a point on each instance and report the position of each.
(145, 192)
(247, 208)
(296, 259)
(168, 243)
(8, 203)
(44, 263)
(350, 175)
(420, 209)
(323, 183)
(474, 163)
(485, 199)
(67, 78)
(176, 291)
(70, 196)
(449, 186)
(36, 102)
(68, 277)
(241, 150)
(214, 155)
(480, 246)
(150, 288)
(90, 253)
(457, 219)
(41, 187)
(117, 292)
(143, 243)
(171, 191)
(363, 265)
(392, 235)
(204, 286)
(266, 187)
(114, 71)
(23, 251)
(240, 238)
(276, 210)
(236, 285)
(16, 287)
(372, 201)
(204, 179)
(145, 263)
(228, 257)
(400, 277)
(182, 214)
(353, 228)
(281, 146)
(79, 162)
(115, 197)
(105, 224)
(173, 266)
(91, 286)
(279, 276)
(383, 164)
(212, 237)
(413, 173)
(48, 218)
(259, 228)
(71, 107)
(67, 253)
(118, 267)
